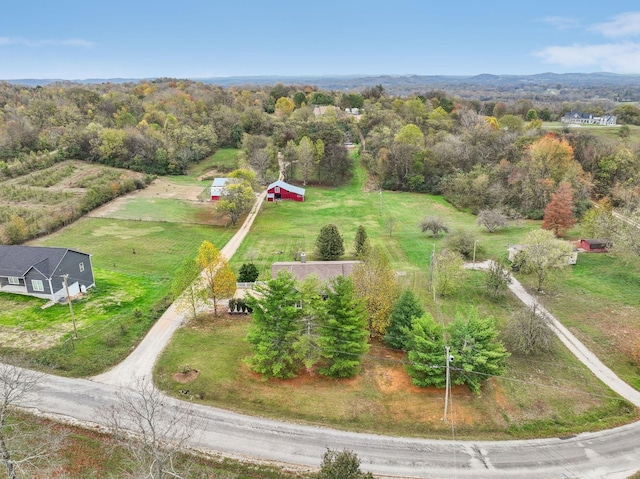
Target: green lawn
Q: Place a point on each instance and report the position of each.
(546, 395)
(222, 161)
(165, 210)
(598, 299)
(133, 263)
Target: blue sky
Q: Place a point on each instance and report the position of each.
(70, 39)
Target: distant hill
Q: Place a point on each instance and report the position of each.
(623, 85)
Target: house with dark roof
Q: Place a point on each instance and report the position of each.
(280, 190)
(40, 271)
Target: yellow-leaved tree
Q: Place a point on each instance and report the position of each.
(219, 279)
(375, 284)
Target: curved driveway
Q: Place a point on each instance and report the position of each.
(614, 453)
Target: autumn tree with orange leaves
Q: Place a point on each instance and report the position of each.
(558, 215)
(549, 162)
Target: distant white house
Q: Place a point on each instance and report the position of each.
(578, 118)
(219, 187)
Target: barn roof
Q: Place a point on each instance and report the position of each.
(16, 260)
(287, 186)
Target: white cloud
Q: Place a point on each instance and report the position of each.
(25, 42)
(562, 23)
(622, 25)
(610, 57)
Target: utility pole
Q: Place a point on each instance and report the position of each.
(380, 207)
(73, 319)
(474, 253)
(447, 384)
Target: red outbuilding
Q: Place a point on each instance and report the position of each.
(279, 190)
(595, 245)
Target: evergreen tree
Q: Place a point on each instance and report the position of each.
(404, 311)
(314, 310)
(276, 328)
(558, 215)
(477, 353)
(248, 273)
(343, 337)
(329, 243)
(361, 246)
(426, 353)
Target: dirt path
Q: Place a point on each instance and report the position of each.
(578, 349)
(139, 364)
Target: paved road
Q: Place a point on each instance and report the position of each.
(610, 454)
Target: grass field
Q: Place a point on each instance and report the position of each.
(547, 395)
(608, 131)
(223, 161)
(133, 263)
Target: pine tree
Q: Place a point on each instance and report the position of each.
(329, 243)
(404, 311)
(248, 273)
(343, 337)
(276, 328)
(426, 353)
(361, 244)
(477, 353)
(558, 215)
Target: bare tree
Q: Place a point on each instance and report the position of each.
(21, 448)
(528, 333)
(492, 219)
(497, 279)
(153, 430)
(435, 224)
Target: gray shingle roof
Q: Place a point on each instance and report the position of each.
(16, 260)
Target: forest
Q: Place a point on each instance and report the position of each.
(479, 154)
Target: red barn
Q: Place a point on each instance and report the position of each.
(279, 190)
(595, 245)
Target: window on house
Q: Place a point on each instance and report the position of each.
(276, 189)
(81, 267)
(37, 285)
(14, 280)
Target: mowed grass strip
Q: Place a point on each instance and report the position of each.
(165, 210)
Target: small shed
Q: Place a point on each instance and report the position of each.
(280, 190)
(219, 187)
(596, 245)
